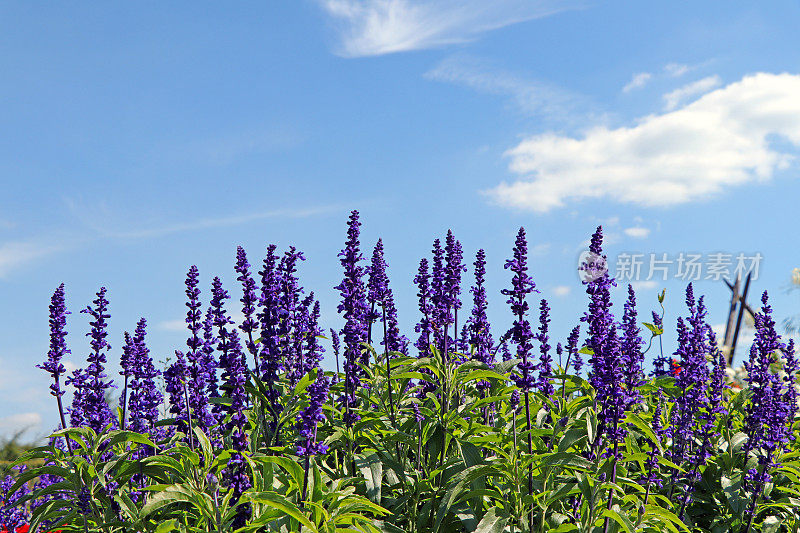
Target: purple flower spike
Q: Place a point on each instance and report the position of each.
(196, 360)
(58, 348)
(269, 315)
(478, 327)
(521, 286)
(312, 415)
(772, 405)
(353, 307)
(96, 410)
(174, 378)
(606, 370)
(545, 361)
(249, 324)
(572, 349)
(425, 326)
(454, 256)
(632, 358)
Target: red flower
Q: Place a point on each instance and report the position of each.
(676, 367)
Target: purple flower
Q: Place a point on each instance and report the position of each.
(380, 295)
(632, 358)
(291, 327)
(249, 300)
(454, 266)
(572, 349)
(209, 342)
(521, 286)
(58, 347)
(514, 400)
(234, 375)
(478, 327)
(545, 361)
(96, 410)
(425, 326)
(174, 378)
(269, 316)
(12, 517)
(312, 415)
(353, 307)
(58, 344)
(771, 407)
(440, 317)
(692, 381)
(606, 369)
(145, 398)
(196, 360)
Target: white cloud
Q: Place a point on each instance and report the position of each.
(644, 285)
(14, 255)
(179, 324)
(637, 232)
(10, 425)
(376, 27)
(676, 70)
(539, 250)
(530, 96)
(637, 82)
(719, 141)
(561, 290)
(678, 96)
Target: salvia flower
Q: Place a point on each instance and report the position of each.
(769, 416)
(631, 358)
(353, 308)
(249, 300)
(454, 267)
(425, 326)
(58, 347)
(573, 353)
(197, 363)
(269, 316)
(174, 381)
(478, 327)
(291, 328)
(545, 360)
(310, 417)
(96, 410)
(605, 373)
(13, 517)
(521, 286)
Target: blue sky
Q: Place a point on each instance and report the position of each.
(142, 138)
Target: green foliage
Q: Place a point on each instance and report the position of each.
(464, 468)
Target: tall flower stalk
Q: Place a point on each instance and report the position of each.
(353, 308)
(521, 286)
(58, 349)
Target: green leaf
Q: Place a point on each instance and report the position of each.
(655, 330)
(586, 351)
(622, 520)
(279, 502)
(371, 468)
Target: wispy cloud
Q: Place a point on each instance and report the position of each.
(103, 225)
(17, 254)
(637, 81)
(562, 290)
(676, 70)
(376, 27)
(637, 232)
(644, 285)
(672, 70)
(673, 98)
(12, 424)
(533, 97)
(717, 142)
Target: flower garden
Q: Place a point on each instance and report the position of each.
(457, 426)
